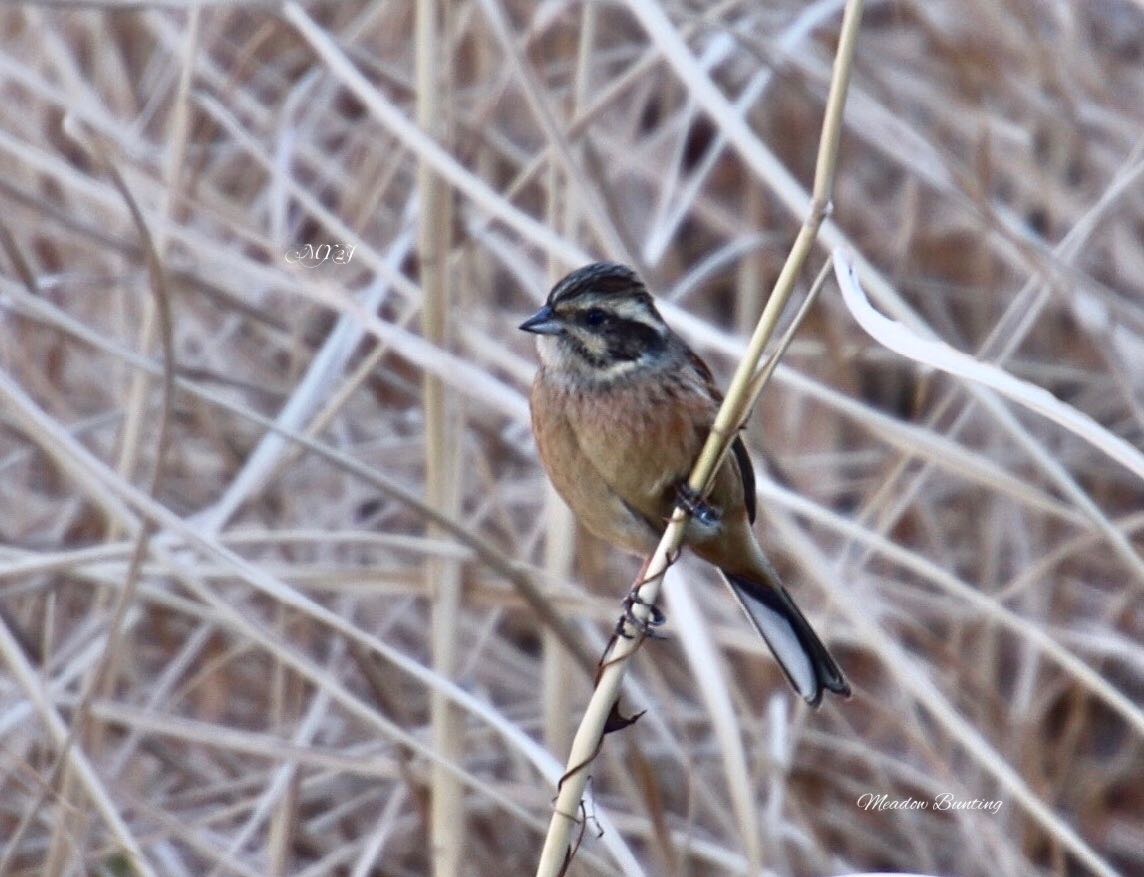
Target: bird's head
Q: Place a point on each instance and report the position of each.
(599, 322)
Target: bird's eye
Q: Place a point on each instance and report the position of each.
(595, 316)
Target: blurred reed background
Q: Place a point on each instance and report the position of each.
(244, 654)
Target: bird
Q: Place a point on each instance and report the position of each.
(621, 408)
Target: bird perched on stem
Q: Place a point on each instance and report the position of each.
(621, 408)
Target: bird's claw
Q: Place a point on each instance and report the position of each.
(642, 626)
(696, 505)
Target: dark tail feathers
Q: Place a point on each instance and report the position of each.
(796, 647)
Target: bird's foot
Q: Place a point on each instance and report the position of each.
(696, 505)
(641, 626)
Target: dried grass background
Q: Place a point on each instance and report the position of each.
(254, 695)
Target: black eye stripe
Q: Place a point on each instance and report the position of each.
(631, 339)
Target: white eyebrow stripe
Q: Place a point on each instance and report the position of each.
(631, 309)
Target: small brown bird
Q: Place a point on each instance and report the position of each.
(621, 407)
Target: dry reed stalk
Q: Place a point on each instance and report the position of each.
(741, 395)
(444, 476)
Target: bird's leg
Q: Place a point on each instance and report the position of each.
(696, 505)
(655, 618)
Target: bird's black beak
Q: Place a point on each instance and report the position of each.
(543, 322)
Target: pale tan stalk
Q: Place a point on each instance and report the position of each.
(740, 397)
(442, 464)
